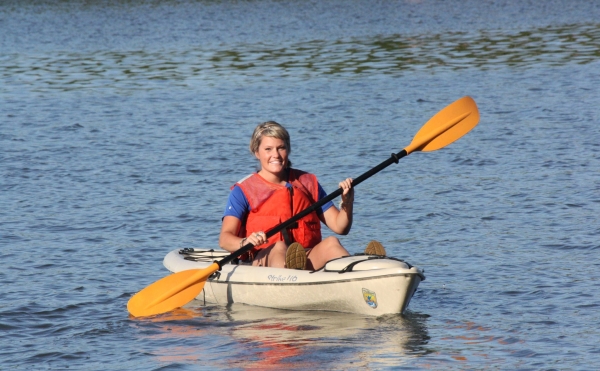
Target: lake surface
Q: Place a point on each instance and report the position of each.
(123, 124)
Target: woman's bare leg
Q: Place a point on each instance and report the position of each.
(324, 251)
(272, 256)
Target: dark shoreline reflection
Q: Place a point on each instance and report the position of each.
(388, 55)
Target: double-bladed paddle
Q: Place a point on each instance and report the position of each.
(180, 288)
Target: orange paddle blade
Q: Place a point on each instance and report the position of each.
(170, 292)
(446, 126)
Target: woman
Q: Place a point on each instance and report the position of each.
(274, 194)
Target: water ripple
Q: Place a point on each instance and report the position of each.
(119, 143)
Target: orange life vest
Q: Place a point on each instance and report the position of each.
(271, 204)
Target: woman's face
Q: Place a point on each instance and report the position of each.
(273, 155)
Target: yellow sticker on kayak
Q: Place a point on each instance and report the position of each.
(370, 298)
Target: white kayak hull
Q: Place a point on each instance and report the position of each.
(362, 284)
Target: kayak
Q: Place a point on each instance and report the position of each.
(386, 284)
(362, 284)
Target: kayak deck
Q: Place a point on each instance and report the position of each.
(364, 284)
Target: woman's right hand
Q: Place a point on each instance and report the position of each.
(255, 238)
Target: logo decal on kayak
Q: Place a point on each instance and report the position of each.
(370, 298)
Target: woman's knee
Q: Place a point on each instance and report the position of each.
(279, 247)
(332, 241)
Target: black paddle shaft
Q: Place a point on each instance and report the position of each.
(394, 158)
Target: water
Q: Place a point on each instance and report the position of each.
(123, 124)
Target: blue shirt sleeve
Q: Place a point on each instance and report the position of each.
(321, 195)
(237, 204)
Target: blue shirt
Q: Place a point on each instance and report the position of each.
(238, 206)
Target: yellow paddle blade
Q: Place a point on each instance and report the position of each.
(446, 126)
(170, 292)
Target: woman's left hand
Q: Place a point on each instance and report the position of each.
(348, 194)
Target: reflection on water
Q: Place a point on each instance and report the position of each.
(393, 55)
(247, 337)
(273, 339)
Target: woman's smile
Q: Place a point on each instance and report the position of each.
(273, 155)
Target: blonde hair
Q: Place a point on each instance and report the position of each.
(273, 130)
